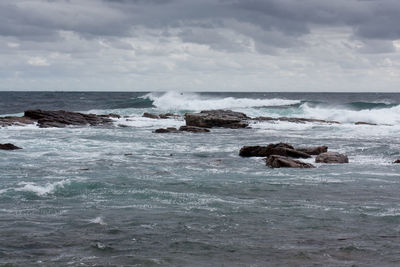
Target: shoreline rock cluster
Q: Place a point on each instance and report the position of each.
(282, 155)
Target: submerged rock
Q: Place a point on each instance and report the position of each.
(396, 161)
(277, 161)
(364, 123)
(281, 149)
(331, 157)
(294, 120)
(18, 121)
(167, 130)
(217, 118)
(9, 146)
(313, 150)
(61, 118)
(193, 129)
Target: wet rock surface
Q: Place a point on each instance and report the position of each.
(331, 157)
(276, 161)
(9, 146)
(281, 149)
(217, 118)
(167, 130)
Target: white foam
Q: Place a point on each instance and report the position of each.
(41, 190)
(98, 220)
(191, 101)
(378, 116)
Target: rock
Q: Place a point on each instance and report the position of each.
(313, 150)
(193, 129)
(151, 116)
(9, 146)
(396, 161)
(281, 149)
(294, 120)
(63, 118)
(364, 123)
(167, 130)
(331, 157)
(276, 161)
(217, 118)
(111, 115)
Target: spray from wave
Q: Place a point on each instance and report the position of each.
(196, 102)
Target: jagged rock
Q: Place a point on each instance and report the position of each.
(276, 161)
(150, 115)
(167, 130)
(294, 120)
(9, 146)
(193, 129)
(217, 118)
(331, 157)
(281, 149)
(63, 118)
(364, 123)
(313, 150)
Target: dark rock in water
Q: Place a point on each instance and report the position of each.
(281, 149)
(9, 146)
(276, 161)
(18, 121)
(123, 126)
(294, 120)
(63, 118)
(313, 150)
(396, 161)
(151, 116)
(111, 115)
(364, 123)
(167, 130)
(331, 157)
(169, 116)
(217, 118)
(193, 129)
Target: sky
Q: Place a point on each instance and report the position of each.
(200, 45)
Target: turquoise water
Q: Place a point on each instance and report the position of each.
(127, 196)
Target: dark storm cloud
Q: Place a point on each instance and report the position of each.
(271, 23)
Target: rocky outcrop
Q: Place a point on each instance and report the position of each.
(61, 118)
(277, 161)
(280, 149)
(294, 120)
(193, 129)
(331, 157)
(150, 115)
(9, 146)
(313, 150)
(217, 118)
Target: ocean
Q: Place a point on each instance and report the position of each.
(125, 196)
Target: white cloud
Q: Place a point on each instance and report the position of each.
(38, 61)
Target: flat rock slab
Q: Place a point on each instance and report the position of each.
(331, 157)
(61, 118)
(9, 146)
(217, 118)
(281, 149)
(276, 161)
(193, 129)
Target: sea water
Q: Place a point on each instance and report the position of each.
(125, 196)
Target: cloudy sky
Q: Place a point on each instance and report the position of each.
(200, 45)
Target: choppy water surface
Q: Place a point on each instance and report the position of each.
(127, 196)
